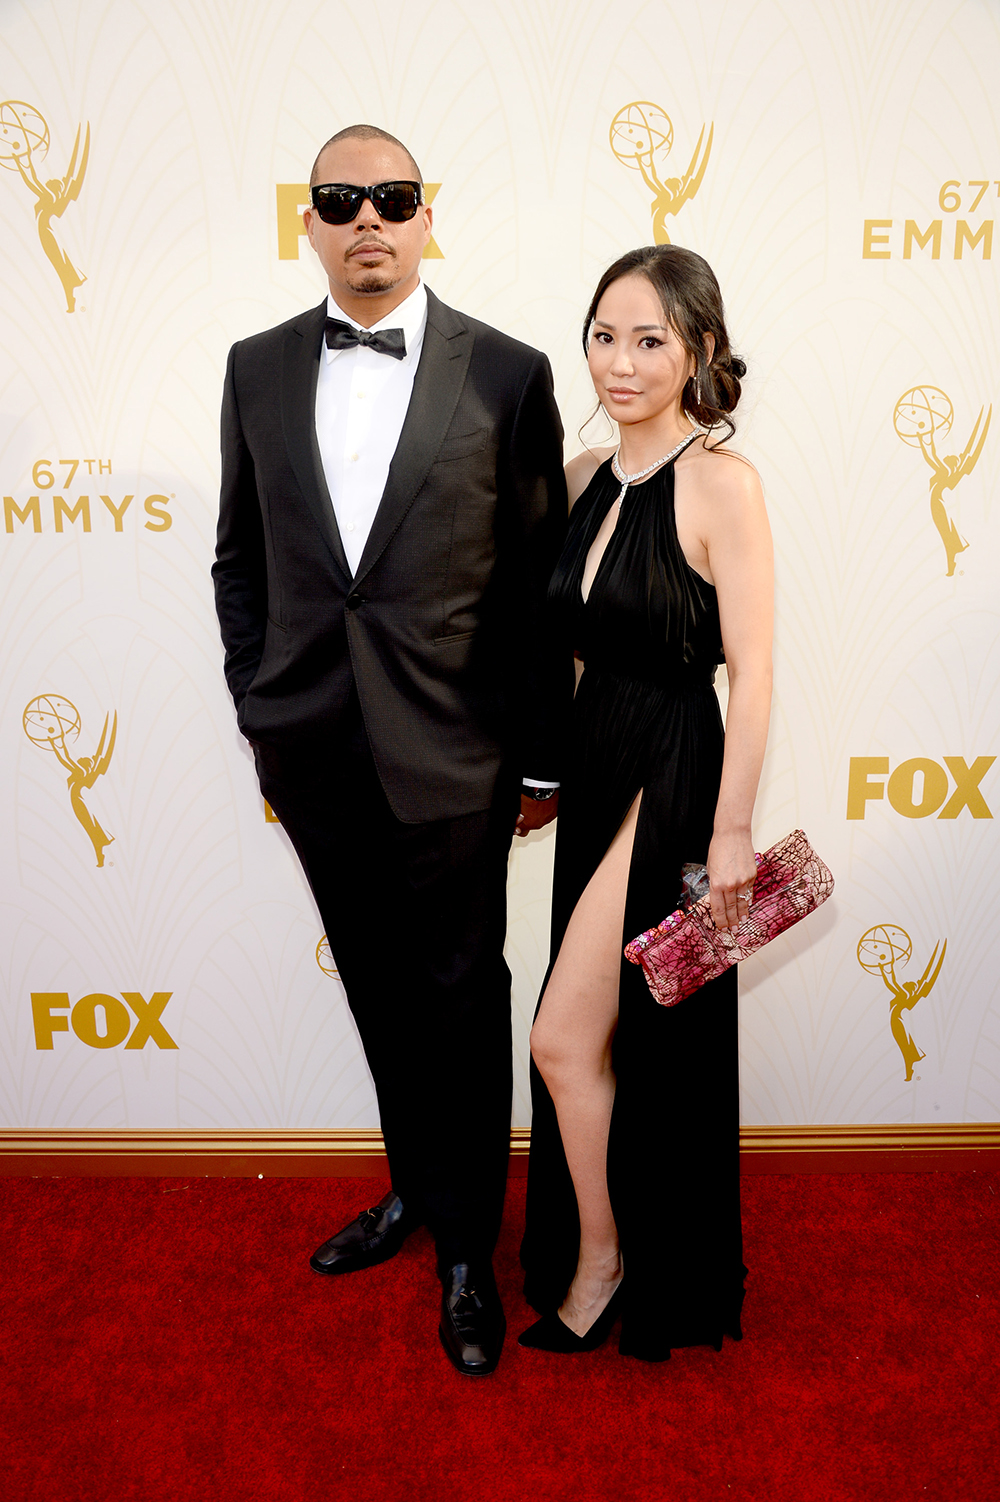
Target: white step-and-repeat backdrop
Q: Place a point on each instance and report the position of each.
(839, 165)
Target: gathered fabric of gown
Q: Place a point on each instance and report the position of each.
(645, 717)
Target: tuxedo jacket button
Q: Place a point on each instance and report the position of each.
(353, 601)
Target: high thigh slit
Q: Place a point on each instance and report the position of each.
(583, 896)
(645, 717)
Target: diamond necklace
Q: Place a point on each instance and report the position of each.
(628, 480)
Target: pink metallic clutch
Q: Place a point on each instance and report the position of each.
(687, 949)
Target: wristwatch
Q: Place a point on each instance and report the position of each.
(540, 795)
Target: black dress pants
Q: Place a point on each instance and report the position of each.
(416, 919)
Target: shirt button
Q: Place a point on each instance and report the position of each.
(350, 526)
(360, 395)
(353, 458)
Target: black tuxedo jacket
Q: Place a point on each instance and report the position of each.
(443, 627)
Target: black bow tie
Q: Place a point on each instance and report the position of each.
(344, 336)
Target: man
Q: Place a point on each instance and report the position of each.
(392, 507)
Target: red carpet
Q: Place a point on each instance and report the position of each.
(164, 1339)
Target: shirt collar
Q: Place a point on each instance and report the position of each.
(410, 316)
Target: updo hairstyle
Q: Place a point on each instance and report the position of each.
(692, 304)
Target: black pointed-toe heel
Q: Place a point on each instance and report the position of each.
(551, 1334)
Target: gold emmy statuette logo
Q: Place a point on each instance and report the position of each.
(641, 135)
(325, 960)
(24, 142)
(922, 415)
(51, 722)
(880, 950)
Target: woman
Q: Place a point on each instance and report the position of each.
(633, 1193)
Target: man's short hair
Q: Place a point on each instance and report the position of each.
(362, 133)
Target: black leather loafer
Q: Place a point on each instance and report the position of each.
(375, 1236)
(472, 1321)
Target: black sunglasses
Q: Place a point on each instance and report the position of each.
(338, 203)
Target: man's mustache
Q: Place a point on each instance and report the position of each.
(370, 244)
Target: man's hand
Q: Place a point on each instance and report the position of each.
(535, 814)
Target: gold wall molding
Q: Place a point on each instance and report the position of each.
(358, 1152)
(907, 1148)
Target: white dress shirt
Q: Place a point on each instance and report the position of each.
(361, 402)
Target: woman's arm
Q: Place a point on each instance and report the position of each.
(737, 542)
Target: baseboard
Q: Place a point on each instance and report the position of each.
(357, 1151)
(340, 1152)
(909, 1148)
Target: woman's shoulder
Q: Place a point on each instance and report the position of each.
(581, 470)
(719, 473)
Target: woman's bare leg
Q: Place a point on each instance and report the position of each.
(571, 1045)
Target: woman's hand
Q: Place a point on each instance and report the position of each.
(732, 871)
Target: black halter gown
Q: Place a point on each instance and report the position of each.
(646, 716)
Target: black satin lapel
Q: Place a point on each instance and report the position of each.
(299, 374)
(437, 386)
